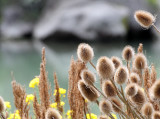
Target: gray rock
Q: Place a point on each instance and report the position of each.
(13, 25)
(86, 19)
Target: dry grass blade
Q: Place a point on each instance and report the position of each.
(37, 108)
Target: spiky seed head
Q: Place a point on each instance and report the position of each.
(134, 78)
(108, 89)
(85, 52)
(118, 103)
(88, 93)
(144, 18)
(105, 67)
(156, 115)
(88, 77)
(128, 53)
(139, 98)
(155, 89)
(52, 114)
(2, 105)
(116, 61)
(140, 48)
(147, 109)
(105, 106)
(131, 89)
(121, 76)
(140, 61)
(103, 117)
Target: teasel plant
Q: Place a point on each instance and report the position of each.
(129, 89)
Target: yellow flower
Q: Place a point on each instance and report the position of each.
(29, 98)
(115, 117)
(69, 114)
(14, 115)
(54, 105)
(93, 116)
(61, 91)
(34, 82)
(7, 104)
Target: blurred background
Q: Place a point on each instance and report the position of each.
(60, 25)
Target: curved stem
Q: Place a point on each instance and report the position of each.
(156, 28)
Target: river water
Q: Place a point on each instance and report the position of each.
(23, 59)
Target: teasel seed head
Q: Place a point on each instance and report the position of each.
(156, 115)
(121, 76)
(52, 114)
(118, 103)
(134, 78)
(2, 105)
(103, 117)
(108, 89)
(131, 89)
(88, 93)
(140, 48)
(88, 77)
(147, 109)
(144, 18)
(140, 61)
(128, 53)
(139, 98)
(116, 61)
(85, 52)
(105, 106)
(155, 89)
(105, 68)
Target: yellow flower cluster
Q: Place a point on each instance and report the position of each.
(14, 115)
(61, 92)
(54, 105)
(91, 116)
(34, 82)
(29, 98)
(69, 112)
(7, 104)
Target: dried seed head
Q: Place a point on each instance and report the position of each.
(85, 52)
(147, 109)
(155, 89)
(88, 93)
(134, 78)
(140, 48)
(131, 89)
(139, 98)
(2, 105)
(140, 61)
(103, 117)
(52, 114)
(144, 18)
(118, 103)
(116, 61)
(128, 53)
(105, 106)
(121, 76)
(105, 67)
(88, 77)
(108, 89)
(156, 115)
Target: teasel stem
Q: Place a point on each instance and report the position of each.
(110, 115)
(85, 112)
(128, 66)
(2, 116)
(92, 65)
(156, 28)
(126, 102)
(141, 77)
(111, 101)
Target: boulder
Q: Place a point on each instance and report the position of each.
(13, 25)
(85, 19)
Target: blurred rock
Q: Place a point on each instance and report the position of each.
(86, 19)
(13, 25)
